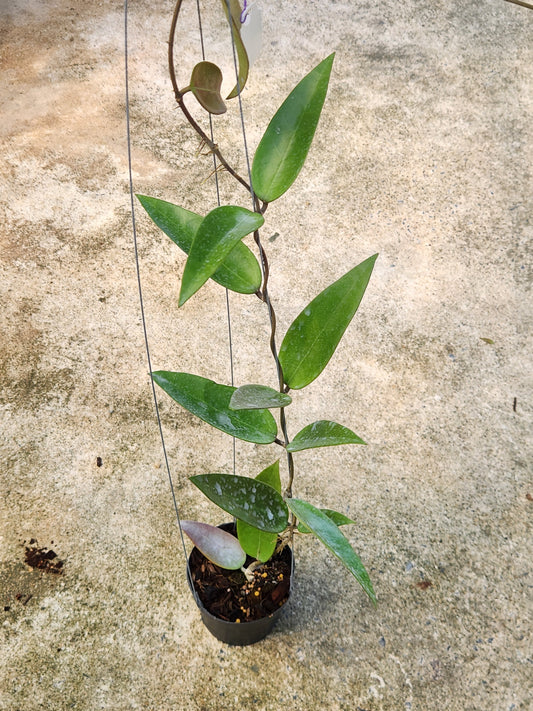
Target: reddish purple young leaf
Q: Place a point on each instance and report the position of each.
(220, 547)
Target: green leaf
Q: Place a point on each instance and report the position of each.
(240, 270)
(219, 232)
(260, 544)
(283, 149)
(210, 402)
(247, 499)
(314, 335)
(329, 534)
(234, 19)
(206, 80)
(257, 544)
(270, 476)
(219, 546)
(338, 519)
(323, 433)
(258, 397)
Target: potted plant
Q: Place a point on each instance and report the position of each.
(241, 572)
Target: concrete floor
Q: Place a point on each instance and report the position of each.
(424, 155)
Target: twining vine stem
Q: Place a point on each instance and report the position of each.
(179, 98)
(258, 208)
(281, 381)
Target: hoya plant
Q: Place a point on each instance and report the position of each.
(267, 513)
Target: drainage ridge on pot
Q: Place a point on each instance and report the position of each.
(239, 633)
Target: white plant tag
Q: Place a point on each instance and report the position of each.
(251, 29)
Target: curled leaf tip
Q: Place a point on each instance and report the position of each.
(233, 11)
(206, 80)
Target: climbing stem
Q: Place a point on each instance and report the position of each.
(213, 148)
(283, 388)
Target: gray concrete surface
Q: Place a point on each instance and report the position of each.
(424, 155)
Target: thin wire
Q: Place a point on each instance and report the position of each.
(139, 285)
(201, 32)
(252, 194)
(215, 171)
(247, 154)
(241, 112)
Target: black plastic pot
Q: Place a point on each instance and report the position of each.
(239, 633)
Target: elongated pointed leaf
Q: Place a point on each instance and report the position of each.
(339, 519)
(206, 80)
(314, 335)
(270, 476)
(210, 402)
(323, 433)
(260, 544)
(219, 232)
(240, 270)
(220, 547)
(247, 499)
(258, 397)
(234, 19)
(329, 534)
(283, 149)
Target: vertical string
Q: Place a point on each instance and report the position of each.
(252, 194)
(215, 172)
(241, 113)
(138, 273)
(258, 241)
